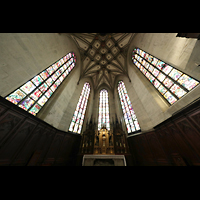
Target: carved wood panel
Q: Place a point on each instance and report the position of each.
(156, 148)
(3, 108)
(8, 124)
(141, 151)
(45, 143)
(167, 141)
(190, 133)
(12, 146)
(53, 151)
(195, 118)
(28, 149)
(188, 154)
(64, 151)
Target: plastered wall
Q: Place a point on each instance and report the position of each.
(181, 53)
(23, 55)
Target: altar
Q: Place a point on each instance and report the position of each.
(104, 160)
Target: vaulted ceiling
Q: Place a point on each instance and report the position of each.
(103, 56)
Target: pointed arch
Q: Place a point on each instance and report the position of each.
(171, 83)
(79, 113)
(130, 118)
(104, 118)
(34, 94)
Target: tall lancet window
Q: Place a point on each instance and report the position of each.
(170, 82)
(130, 118)
(79, 114)
(33, 95)
(104, 119)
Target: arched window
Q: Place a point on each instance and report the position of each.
(171, 83)
(32, 95)
(78, 117)
(104, 119)
(130, 118)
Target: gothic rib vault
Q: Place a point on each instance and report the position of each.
(103, 56)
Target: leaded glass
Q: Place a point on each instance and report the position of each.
(32, 95)
(166, 69)
(168, 82)
(79, 113)
(175, 74)
(42, 100)
(160, 64)
(28, 87)
(161, 76)
(26, 104)
(127, 109)
(36, 94)
(16, 96)
(35, 109)
(177, 90)
(162, 89)
(37, 80)
(170, 98)
(103, 119)
(155, 72)
(187, 82)
(173, 84)
(44, 74)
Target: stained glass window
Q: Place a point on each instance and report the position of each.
(32, 95)
(104, 119)
(130, 118)
(171, 83)
(79, 113)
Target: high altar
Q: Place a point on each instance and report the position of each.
(104, 147)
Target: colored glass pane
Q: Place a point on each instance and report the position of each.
(168, 82)
(78, 116)
(48, 93)
(177, 90)
(162, 89)
(160, 64)
(151, 68)
(151, 78)
(41, 83)
(187, 82)
(36, 94)
(26, 104)
(161, 77)
(174, 80)
(150, 58)
(54, 76)
(28, 87)
(42, 100)
(16, 96)
(44, 74)
(37, 80)
(103, 119)
(155, 72)
(129, 115)
(166, 69)
(175, 74)
(49, 81)
(170, 98)
(156, 83)
(50, 70)
(53, 87)
(35, 109)
(154, 61)
(43, 87)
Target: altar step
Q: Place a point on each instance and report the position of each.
(104, 160)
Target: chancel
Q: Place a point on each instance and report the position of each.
(99, 99)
